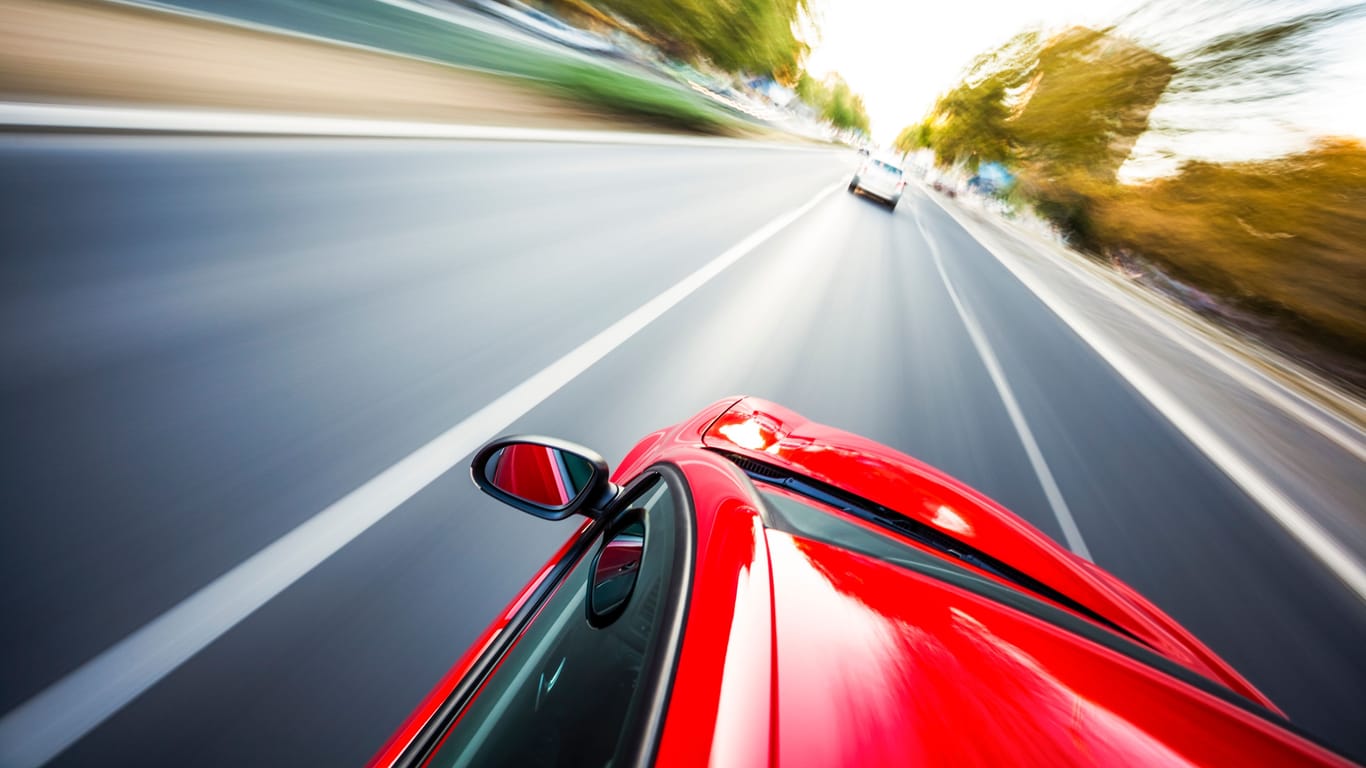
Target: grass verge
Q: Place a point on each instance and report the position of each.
(638, 98)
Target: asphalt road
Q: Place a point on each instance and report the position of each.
(204, 342)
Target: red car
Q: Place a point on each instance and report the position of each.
(753, 589)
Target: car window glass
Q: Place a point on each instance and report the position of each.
(568, 692)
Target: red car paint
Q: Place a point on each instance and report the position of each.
(797, 652)
(880, 666)
(770, 433)
(533, 472)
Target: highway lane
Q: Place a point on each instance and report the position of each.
(217, 338)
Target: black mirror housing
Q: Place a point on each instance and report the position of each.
(543, 476)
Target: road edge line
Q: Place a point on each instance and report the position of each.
(1042, 471)
(1294, 404)
(19, 116)
(1331, 553)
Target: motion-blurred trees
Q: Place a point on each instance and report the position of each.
(1076, 101)
(835, 101)
(1281, 240)
(913, 137)
(1086, 102)
(751, 36)
(757, 36)
(969, 125)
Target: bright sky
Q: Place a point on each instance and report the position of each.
(900, 54)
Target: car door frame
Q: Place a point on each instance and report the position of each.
(426, 739)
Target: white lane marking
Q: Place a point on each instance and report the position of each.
(1061, 511)
(1284, 511)
(103, 118)
(1309, 413)
(40, 728)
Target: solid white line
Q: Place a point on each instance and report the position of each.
(143, 119)
(40, 728)
(1309, 413)
(1061, 511)
(1224, 456)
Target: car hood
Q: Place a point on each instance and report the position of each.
(758, 430)
(878, 665)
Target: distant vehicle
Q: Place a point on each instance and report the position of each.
(752, 588)
(547, 26)
(880, 177)
(864, 151)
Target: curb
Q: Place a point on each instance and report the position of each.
(16, 116)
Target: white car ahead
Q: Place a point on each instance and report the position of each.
(880, 177)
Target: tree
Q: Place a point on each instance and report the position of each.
(835, 101)
(812, 91)
(969, 125)
(913, 137)
(757, 36)
(1087, 101)
(1071, 103)
(1278, 239)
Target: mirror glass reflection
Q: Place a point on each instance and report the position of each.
(615, 572)
(538, 474)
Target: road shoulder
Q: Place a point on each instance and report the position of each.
(1300, 460)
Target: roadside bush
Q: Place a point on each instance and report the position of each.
(632, 96)
(1286, 235)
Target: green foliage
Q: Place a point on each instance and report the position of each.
(1279, 239)
(1087, 102)
(736, 35)
(1282, 237)
(969, 125)
(1075, 101)
(835, 101)
(652, 101)
(846, 108)
(913, 137)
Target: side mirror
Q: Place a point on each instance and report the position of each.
(542, 476)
